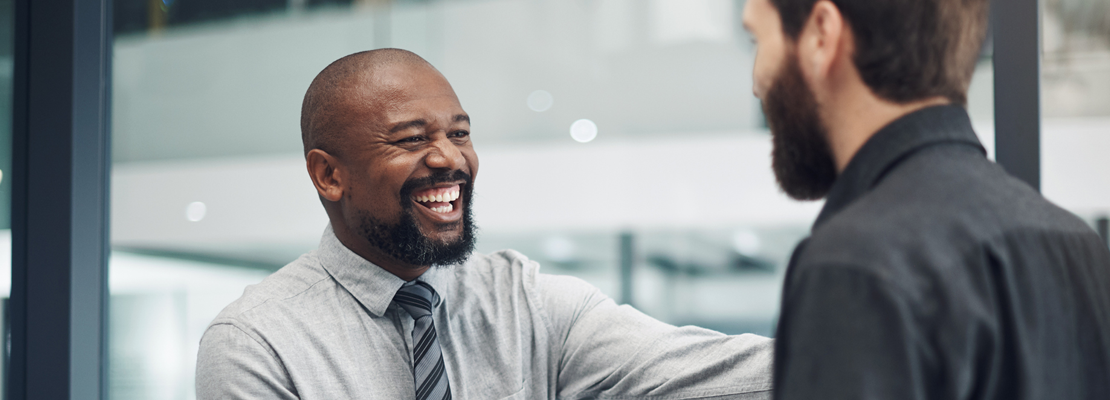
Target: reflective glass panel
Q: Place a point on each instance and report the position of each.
(1075, 104)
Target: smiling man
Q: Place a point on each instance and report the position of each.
(930, 272)
(393, 304)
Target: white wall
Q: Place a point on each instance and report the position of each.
(267, 205)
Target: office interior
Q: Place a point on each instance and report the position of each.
(619, 142)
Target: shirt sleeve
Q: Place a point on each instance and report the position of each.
(610, 351)
(233, 365)
(846, 334)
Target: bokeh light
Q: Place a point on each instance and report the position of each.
(583, 130)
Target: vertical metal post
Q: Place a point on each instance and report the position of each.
(60, 162)
(1017, 88)
(627, 258)
(6, 334)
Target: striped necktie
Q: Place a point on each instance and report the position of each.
(418, 299)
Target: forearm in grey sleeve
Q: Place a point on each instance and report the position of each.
(233, 365)
(613, 351)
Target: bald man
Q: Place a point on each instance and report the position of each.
(393, 304)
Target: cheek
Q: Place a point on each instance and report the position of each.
(381, 186)
(472, 161)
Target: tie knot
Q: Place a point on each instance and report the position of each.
(417, 298)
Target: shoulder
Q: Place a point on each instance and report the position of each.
(511, 265)
(496, 269)
(929, 219)
(279, 290)
(940, 188)
(501, 261)
(937, 204)
(508, 276)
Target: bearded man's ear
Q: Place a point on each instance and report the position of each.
(821, 42)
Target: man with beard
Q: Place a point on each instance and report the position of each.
(930, 273)
(393, 304)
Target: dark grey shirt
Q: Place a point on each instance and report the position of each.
(325, 327)
(933, 274)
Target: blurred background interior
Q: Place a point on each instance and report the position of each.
(619, 142)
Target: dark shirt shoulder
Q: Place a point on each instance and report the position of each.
(933, 274)
(934, 210)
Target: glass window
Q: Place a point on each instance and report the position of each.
(1075, 101)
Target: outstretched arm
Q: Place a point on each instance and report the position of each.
(612, 351)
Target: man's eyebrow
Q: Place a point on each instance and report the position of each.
(416, 123)
(420, 122)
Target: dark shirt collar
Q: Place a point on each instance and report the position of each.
(892, 144)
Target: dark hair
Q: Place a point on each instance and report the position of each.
(907, 50)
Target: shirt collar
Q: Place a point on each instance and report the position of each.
(371, 285)
(892, 144)
(441, 279)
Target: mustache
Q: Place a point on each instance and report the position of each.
(439, 177)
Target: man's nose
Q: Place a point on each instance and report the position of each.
(444, 155)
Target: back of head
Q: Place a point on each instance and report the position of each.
(907, 50)
(322, 110)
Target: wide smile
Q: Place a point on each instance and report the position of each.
(443, 203)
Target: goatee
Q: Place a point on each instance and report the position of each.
(405, 242)
(801, 157)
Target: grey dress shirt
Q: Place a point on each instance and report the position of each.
(324, 327)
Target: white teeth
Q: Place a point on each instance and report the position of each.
(444, 209)
(439, 198)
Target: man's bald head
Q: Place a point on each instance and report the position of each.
(348, 78)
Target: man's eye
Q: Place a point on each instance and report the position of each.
(459, 134)
(411, 139)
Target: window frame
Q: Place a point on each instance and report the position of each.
(60, 188)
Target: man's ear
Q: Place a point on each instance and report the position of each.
(821, 42)
(326, 173)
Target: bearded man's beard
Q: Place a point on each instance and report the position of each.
(404, 241)
(801, 157)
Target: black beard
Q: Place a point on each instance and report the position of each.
(404, 241)
(801, 157)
